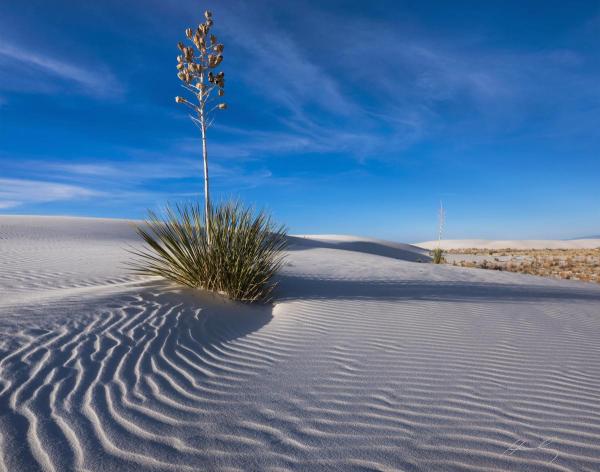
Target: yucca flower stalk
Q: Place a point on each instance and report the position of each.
(196, 69)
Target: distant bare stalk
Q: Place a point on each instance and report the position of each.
(442, 220)
(196, 66)
(438, 254)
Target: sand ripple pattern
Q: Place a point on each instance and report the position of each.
(384, 365)
(151, 381)
(141, 383)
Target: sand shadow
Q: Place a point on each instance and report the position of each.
(208, 317)
(216, 319)
(404, 252)
(297, 288)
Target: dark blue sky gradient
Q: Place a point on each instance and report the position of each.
(344, 117)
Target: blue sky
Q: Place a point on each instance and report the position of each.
(344, 117)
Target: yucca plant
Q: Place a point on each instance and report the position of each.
(245, 251)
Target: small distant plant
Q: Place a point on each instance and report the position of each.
(245, 251)
(438, 254)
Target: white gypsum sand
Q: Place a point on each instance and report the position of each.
(448, 244)
(368, 360)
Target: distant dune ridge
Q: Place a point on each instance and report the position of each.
(368, 360)
(512, 244)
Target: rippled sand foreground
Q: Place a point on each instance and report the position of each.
(368, 360)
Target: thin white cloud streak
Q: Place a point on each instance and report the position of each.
(95, 80)
(147, 175)
(152, 166)
(130, 174)
(16, 192)
(255, 144)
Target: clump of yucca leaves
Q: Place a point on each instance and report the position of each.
(437, 255)
(245, 249)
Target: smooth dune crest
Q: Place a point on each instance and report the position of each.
(368, 360)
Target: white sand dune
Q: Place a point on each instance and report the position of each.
(367, 361)
(512, 244)
(376, 247)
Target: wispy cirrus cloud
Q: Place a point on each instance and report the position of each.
(372, 88)
(16, 192)
(30, 70)
(139, 175)
(4, 204)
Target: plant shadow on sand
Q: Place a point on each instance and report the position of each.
(207, 317)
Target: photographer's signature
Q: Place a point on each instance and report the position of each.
(522, 445)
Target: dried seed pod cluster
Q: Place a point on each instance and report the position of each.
(194, 65)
